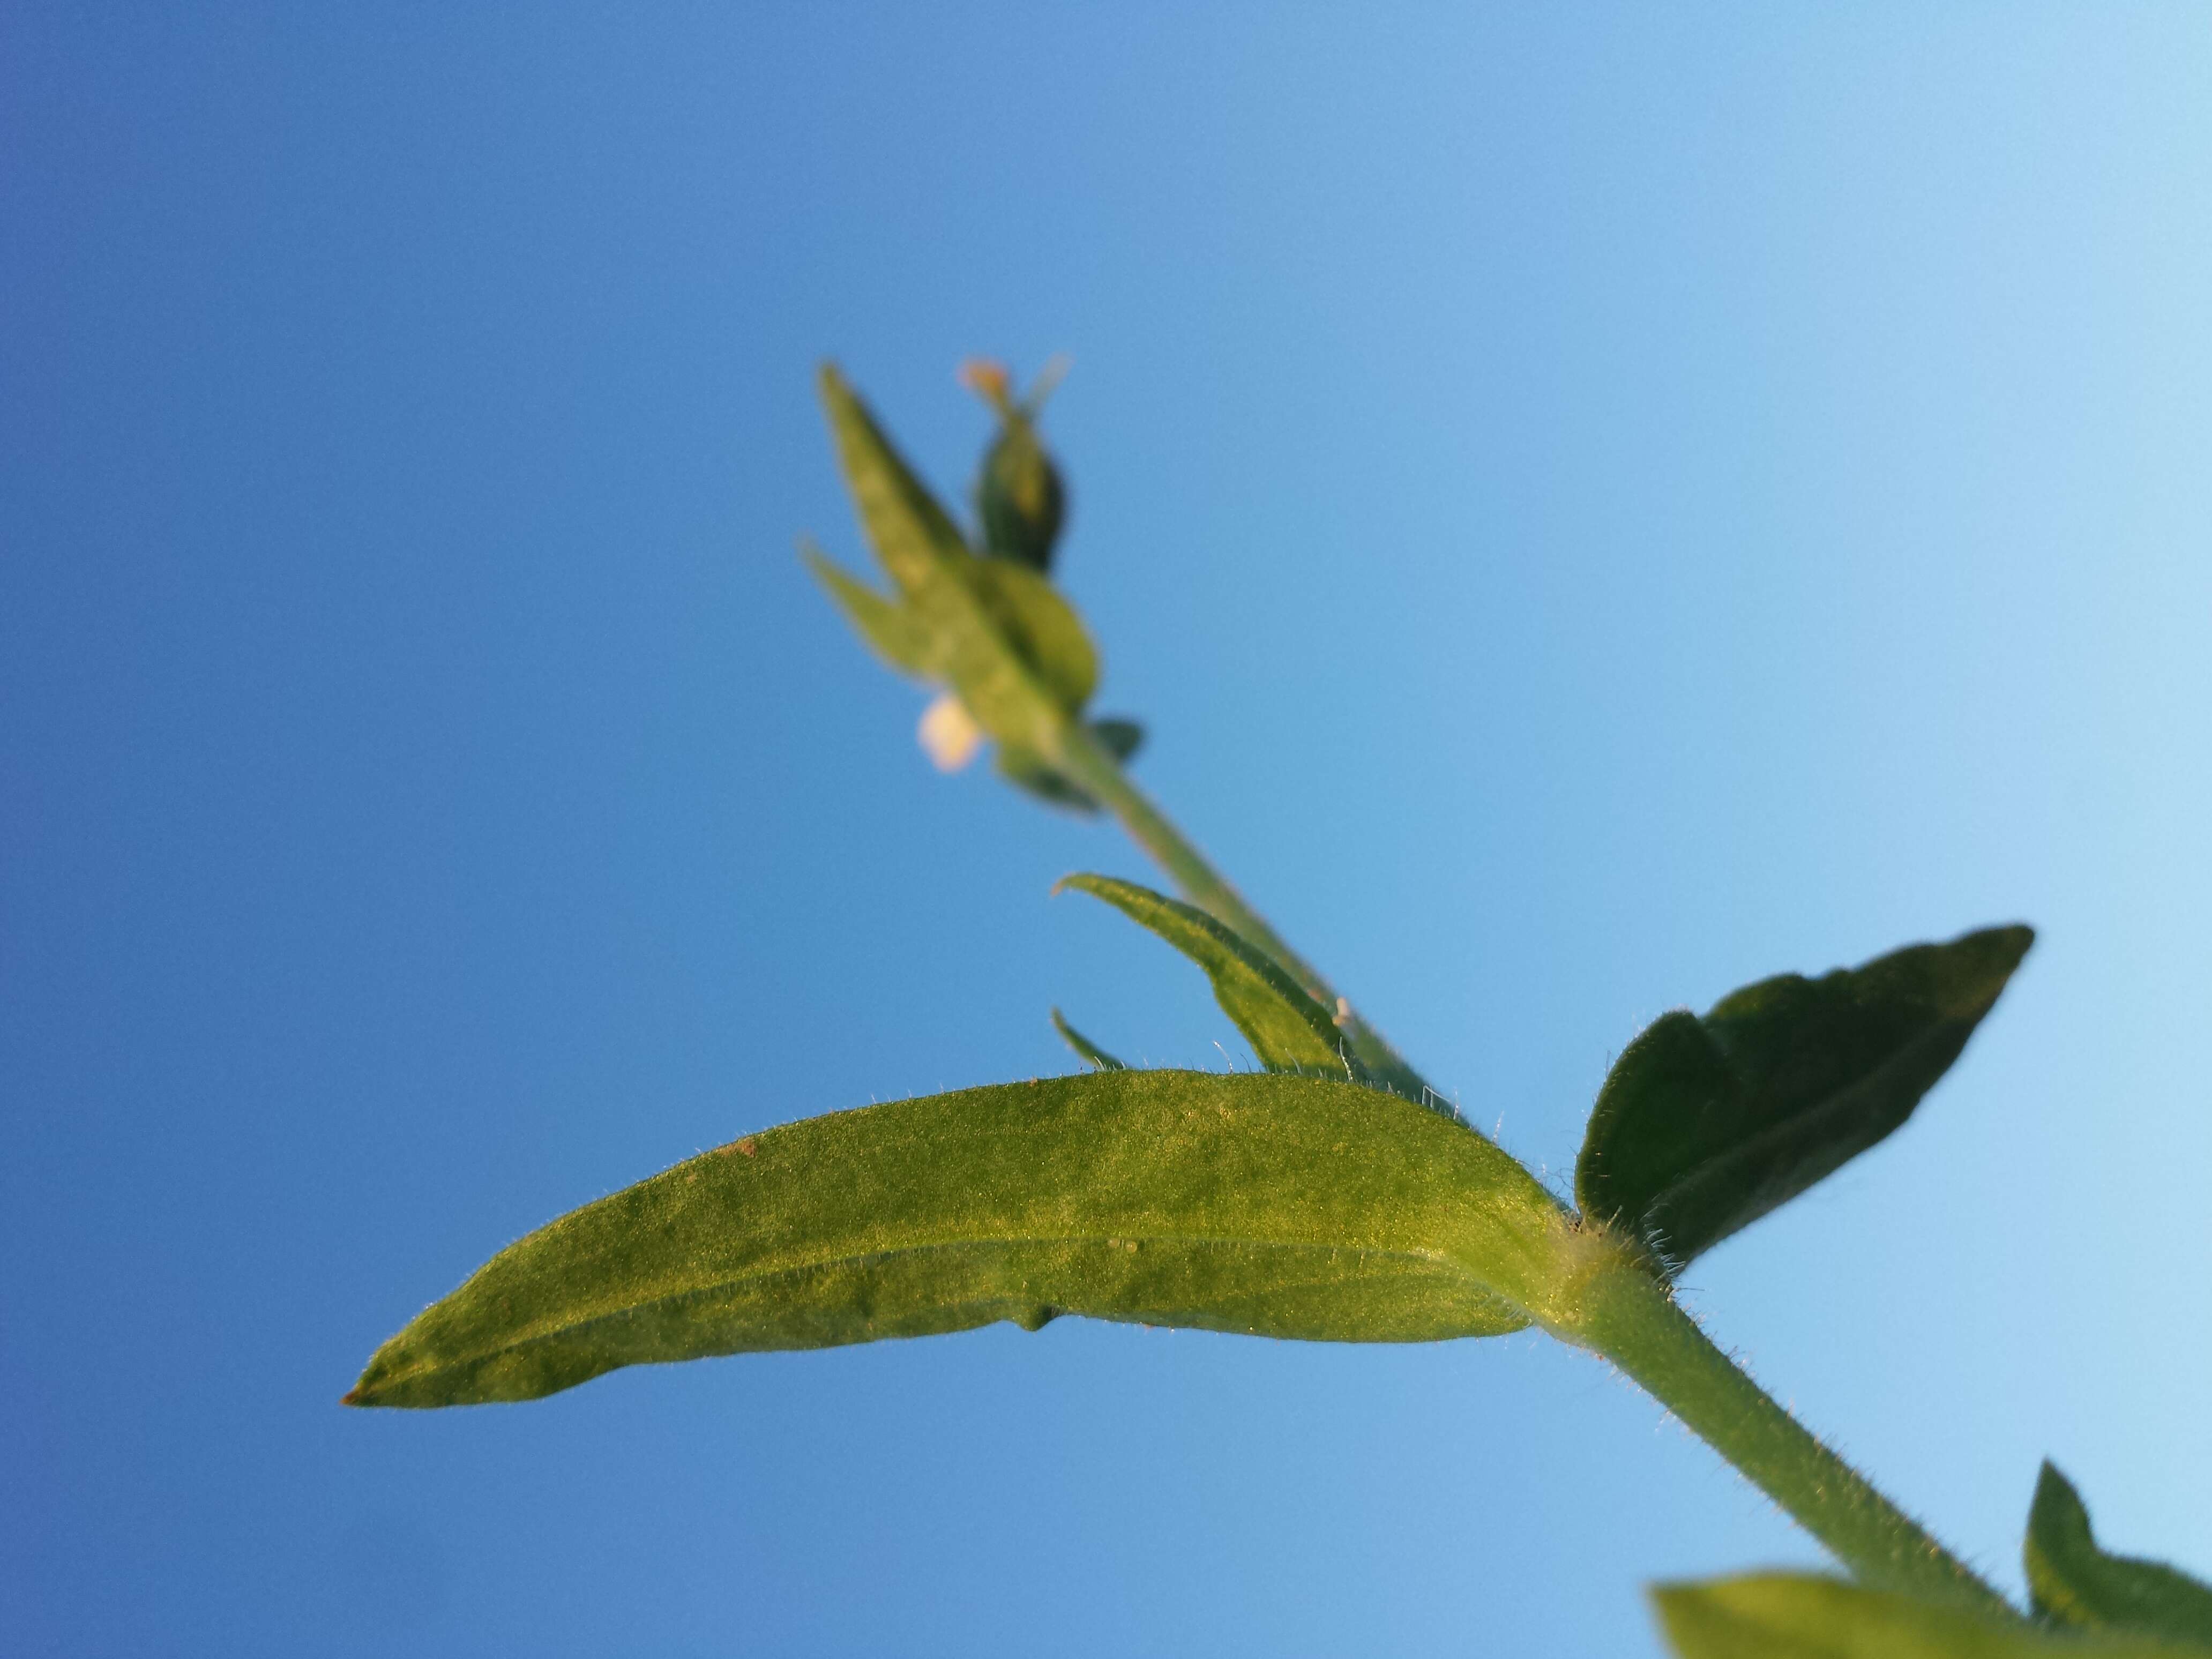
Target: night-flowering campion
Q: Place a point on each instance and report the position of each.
(1332, 1195)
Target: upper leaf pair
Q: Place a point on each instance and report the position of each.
(987, 626)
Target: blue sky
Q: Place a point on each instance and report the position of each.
(1595, 507)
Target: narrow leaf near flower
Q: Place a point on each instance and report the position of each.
(1289, 1031)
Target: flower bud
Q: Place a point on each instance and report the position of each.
(1019, 496)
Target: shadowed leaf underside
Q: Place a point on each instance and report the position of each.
(1705, 1125)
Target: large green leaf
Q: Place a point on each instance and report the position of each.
(1805, 1616)
(2075, 1582)
(1276, 1206)
(1289, 1031)
(1705, 1125)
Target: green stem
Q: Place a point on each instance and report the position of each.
(1084, 759)
(1621, 1312)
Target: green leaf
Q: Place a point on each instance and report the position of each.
(922, 550)
(1040, 626)
(2072, 1582)
(1806, 1616)
(1705, 1125)
(1289, 1031)
(1274, 1206)
(1099, 1058)
(884, 623)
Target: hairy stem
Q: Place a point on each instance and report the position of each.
(1082, 759)
(1621, 1312)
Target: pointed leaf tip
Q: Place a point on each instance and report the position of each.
(2073, 1582)
(1096, 1057)
(1289, 1031)
(1706, 1124)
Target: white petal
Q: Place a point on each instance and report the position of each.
(949, 733)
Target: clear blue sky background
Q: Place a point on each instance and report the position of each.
(1597, 504)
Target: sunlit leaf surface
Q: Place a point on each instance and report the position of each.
(1289, 1031)
(1274, 1205)
(1805, 1616)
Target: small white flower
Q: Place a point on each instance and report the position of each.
(949, 733)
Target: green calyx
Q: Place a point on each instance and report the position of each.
(1020, 501)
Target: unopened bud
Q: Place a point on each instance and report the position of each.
(1018, 498)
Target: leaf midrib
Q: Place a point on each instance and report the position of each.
(532, 1336)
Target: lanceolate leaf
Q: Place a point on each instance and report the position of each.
(1288, 1029)
(1805, 1616)
(1275, 1206)
(1097, 1057)
(1707, 1124)
(2075, 1582)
